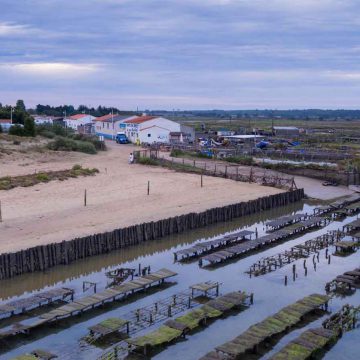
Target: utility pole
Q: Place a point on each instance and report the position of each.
(11, 114)
(112, 120)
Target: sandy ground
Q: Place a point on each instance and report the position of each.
(117, 197)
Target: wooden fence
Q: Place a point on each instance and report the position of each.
(43, 257)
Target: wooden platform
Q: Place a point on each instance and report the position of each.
(278, 235)
(41, 299)
(90, 302)
(178, 327)
(273, 325)
(349, 280)
(208, 246)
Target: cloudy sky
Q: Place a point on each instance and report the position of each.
(182, 54)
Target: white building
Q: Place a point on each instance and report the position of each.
(43, 119)
(78, 120)
(152, 129)
(109, 125)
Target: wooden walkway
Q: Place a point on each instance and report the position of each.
(285, 221)
(208, 246)
(350, 205)
(78, 306)
(348, 281)
(266, 240)
(44, 298)
(312, 341)
(160, 311)
(301, 251)
(274, 325)
(180, 326)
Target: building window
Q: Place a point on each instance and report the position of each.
(149, 135)
(103, 125)
(107, 125)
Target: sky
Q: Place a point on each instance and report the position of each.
(181, 54)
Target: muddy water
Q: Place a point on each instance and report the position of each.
(269, 290)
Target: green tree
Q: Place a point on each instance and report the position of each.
(20, 105)
(29, 126)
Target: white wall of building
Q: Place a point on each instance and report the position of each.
(73, 124)
(154, 134)
(154, 130)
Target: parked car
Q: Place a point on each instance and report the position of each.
(121, 138)
(330, 183)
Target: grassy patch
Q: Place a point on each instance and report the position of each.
(8, 182)
(242, 160)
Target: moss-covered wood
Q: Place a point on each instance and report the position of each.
(271, 326)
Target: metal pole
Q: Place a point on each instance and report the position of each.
(85, 197)
(148, 188)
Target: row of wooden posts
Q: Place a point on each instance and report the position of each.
(315, 260)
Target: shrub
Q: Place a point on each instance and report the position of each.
(147, 161)
(86, 147)
(17, 130)
(67, 144)
(77, 167)
(177, 153)
(99, 145)
(29, 126)
(243, 160)
(48, 134)
(1, 129)
(42, 177)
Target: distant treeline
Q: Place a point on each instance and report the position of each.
(71, 110)
(308, 114)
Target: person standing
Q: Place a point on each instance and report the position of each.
(131, 158)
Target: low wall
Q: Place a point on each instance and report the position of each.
(43, 257)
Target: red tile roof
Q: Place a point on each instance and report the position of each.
(106, 117)
(140, 119)
(5, 121)
(77, 116)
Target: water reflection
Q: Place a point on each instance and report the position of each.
(88, 267)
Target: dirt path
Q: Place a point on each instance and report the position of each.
(116, 197)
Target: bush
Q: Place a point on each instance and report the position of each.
(29, 126)
(17, 130)
(147, 161)
(99, 145)
(67, 144)
(76, 167)
(177, 153)
(48, 134)
(1, 129)
(42, 177)
(243, 160)
(51, 130)
(86, 147)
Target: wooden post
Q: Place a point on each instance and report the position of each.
(0, 213)
(286, 280)
(201, 180)
(85, 197)
(148, 188)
